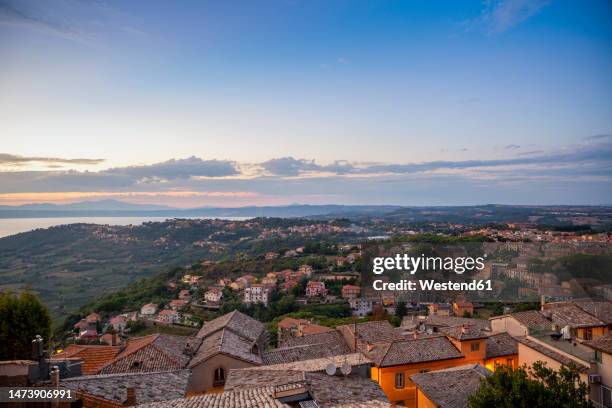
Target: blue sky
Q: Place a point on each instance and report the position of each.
(236, 103)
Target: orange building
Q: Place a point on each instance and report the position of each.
(397, 357)
(463, 308)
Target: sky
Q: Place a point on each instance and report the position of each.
(200, 103)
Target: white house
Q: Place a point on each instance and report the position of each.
(149, 309)
(256, 294)
(213, 295)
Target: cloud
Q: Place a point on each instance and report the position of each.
(15, 160)
(512, 147)
(499, 16)
(289, 166)
(179, 168)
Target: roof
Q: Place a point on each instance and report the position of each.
(370, 332)
(156, 352)
(573, 316)
(345, 391)
(452, 387)
(501, 344)
(532, 319)
(463, 333)
(236, 321)
(601, 310)
(332, 339)
(413, 351)
(449, 321)
(149, 387)
(93, 357)
(228, 342)
(317, 389)
(604, 343)
(318, 364)
(304, 352)
(249, 378)
(547, 351)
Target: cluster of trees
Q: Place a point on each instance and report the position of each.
(534, 387)
(22, 318)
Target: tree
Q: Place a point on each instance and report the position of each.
(401, 310)
(21, 319)
(535, 387)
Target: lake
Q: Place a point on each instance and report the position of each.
(11, 226)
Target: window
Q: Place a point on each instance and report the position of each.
(588, 333)
(475, 346)
(598, 356)
(399, 380)
(219, 377)
(509, 362)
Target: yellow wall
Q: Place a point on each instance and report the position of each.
(423, 401)
(597, 332)
(465, 347)
(492, 362)
(385, 376)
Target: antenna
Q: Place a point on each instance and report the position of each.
(346, 368)
(330, 369)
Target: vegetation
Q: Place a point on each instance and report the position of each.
(535, 387)
(21, 319)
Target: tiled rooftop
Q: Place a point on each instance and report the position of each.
(462, 333)
(149, 387)
(371, 332)
(601, 310)
(451, 321)
(236, 321)
(604, 343)
(249, 378)
(533, 319)
(331, 337)
(227, 342)
(413, 351)
(247, 398)
(501, 344)
(306, 352)
(318, 364)
(93, 357)
(156, 352)
(322, 391)
(573, 316)
(452, 387)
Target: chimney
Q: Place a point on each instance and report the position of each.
(464, 329)
(415, 335)
(371, 346)
(114, 340)
(55, 376)
(131, 397)
(187, 351)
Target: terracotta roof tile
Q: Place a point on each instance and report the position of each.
(93, 357)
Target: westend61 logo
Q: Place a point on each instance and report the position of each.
(426, 263)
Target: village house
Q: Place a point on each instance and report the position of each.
(350, 291)
(305, 270)
(340, 261)
(269, 281)
(149, 309)
(118, 323)
(601, 387)
(362, 306)
(450, 387)
(184, 295)
(167, 316)
(271, 255)
(256, 294)
(191, 279)
(213, 295)
(177, 304)
(315, 288)
(231, 341)
(290, 327)
(463, 309)
(440, 309)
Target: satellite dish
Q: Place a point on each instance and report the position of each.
(330, 369)
(346, 368)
